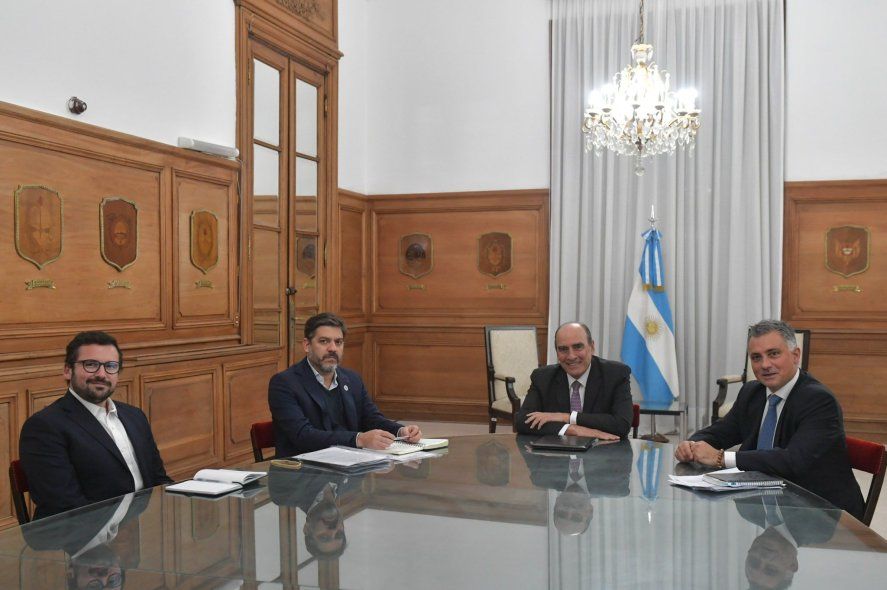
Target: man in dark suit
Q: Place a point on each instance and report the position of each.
(582, 395)
(604, 471)
(788, 523)
(84, 447)
(786, 422)
(316, 403)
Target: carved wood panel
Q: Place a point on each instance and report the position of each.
(835, 277)
(246, 402)
(184, 415)
(456, 286)
(9, 429)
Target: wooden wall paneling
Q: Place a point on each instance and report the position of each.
(845, 310)
(812, 293)
(184, 409)
(351, 242)
(455, 290)
(414, 374)
(353, 357)
(204, 296)
(246, 402)
(79, 276)
(9, 429)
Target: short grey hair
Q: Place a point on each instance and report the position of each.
(766, 326)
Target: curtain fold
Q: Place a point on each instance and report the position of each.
(719, 210)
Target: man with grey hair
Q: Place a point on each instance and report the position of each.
(786, 422)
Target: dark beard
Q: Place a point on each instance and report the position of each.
(91, 396)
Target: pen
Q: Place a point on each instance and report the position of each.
(397, 438)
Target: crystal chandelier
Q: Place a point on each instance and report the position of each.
(637, 115)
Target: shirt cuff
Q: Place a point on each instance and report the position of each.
(563, 431)
(729, 459)
(573, 417)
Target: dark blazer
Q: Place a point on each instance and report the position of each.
(809, 446)
(607, 404)
(302, 421)
(71, 461)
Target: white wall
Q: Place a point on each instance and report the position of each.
(457, 95)
(835, 66)
(155, 69)
(353, 95)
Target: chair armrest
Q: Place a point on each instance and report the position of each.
(722, 384)
(509, 390)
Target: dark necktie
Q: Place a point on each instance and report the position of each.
(575, 403)
(768, 428)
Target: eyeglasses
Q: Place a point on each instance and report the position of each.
(115, 580)
(91, 366)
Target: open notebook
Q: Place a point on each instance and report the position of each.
(400, 447)
(214, 482)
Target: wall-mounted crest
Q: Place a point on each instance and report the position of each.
(119, 229)
(416, 256)
(204, 239)
(847, 249)
(38, 224)
(494, 253)
(306, 259)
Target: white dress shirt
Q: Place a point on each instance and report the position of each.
(114, 427)
(582, 380)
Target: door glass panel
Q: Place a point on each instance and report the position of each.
(306, 194)
(306, 118)
(266, 107)
(266, 171)
(307, 260)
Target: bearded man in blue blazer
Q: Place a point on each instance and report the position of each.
(317, 404)
(84, 447)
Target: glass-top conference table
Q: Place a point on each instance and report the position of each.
(487, 513)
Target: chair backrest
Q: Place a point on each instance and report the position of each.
(18, 487)
(870, 457)
(261, 434)
(511, 351)
(803, 338)
(635, 419)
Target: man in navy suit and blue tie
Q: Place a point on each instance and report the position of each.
(317, 404)
(84, 447)
(786, 422)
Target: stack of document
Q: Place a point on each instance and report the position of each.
(345, 459)
(728, 480)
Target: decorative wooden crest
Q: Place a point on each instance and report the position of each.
(204, 239)
(119, 228)
(38, 224)
(416, 256)
(494, 253)
(847, 250)
(306, 259)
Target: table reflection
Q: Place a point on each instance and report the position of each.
(486, 512)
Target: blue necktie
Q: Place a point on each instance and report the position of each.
(768, 428)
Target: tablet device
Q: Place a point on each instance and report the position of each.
(555, 442)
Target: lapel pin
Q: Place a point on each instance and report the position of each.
(345, 387)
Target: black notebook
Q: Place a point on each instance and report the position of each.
(563, 443)
(744, 479)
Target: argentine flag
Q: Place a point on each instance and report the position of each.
(648, 342)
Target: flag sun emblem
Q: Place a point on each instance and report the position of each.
(651, 328)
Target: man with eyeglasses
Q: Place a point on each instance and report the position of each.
(84, 447)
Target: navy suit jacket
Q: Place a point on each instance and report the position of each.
(302, 421)
(607, 405)
(71, 461)
(809, 447)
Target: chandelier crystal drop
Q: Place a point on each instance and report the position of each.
(637, 114)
